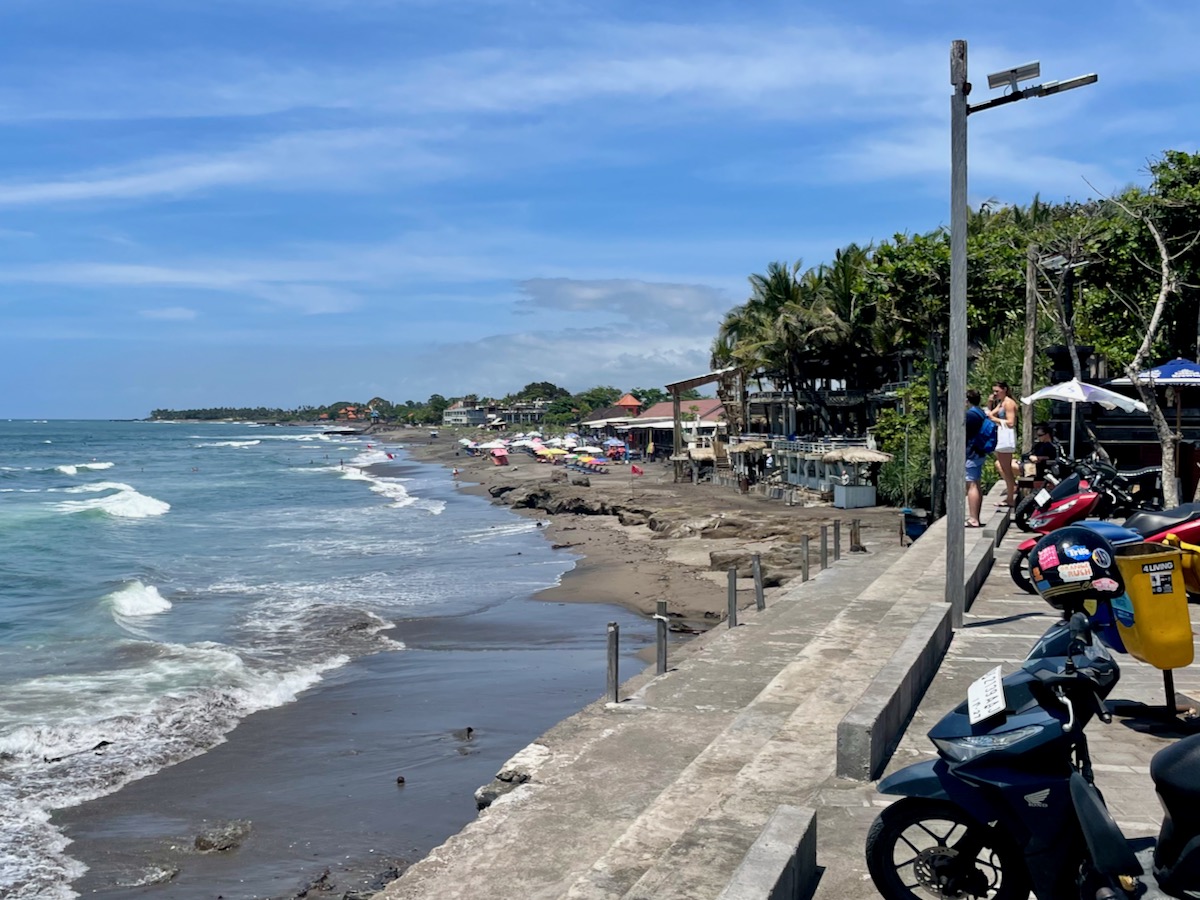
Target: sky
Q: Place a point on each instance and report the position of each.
(286, 202)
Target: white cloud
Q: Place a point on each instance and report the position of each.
(684, 307)
(317, 160)
(169, 314)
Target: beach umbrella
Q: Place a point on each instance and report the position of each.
(494, 445)
(614, 442)
(1076, 391)
(589, 449)
(1177, 373)
(499, 451)
(466, 442)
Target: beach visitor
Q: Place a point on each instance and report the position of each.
(1043, 450)
(975, 418)
(1003, 412)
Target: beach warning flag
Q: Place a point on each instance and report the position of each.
(636, 470)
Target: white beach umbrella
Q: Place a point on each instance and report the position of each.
(1076, 391)
(589, 449)
(493, 445)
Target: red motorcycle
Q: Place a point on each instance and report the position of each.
(1142, 525)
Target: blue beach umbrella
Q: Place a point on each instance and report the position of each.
(1177, 373)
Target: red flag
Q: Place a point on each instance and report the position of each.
(636, 470)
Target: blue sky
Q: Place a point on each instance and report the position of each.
(277, 202)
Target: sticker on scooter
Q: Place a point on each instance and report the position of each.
(985, 696)
(1048, 557)
(1075, 551)
(1101, 558)
(1104, 584)
(1161, 582)
(1038, 798)
(1080, 571)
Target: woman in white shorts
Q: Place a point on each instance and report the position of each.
(1003, 412)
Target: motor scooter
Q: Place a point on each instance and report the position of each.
(1085, 489)
(1141, 525)
(1010, 804)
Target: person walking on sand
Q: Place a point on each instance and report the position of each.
(1003, 412)
(974, 421)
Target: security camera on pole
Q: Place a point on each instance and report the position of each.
(956, 447)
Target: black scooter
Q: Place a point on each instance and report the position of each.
(1010, 805)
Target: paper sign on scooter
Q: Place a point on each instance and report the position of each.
(1042, 497)
(985, 696)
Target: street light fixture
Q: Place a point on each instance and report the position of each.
(956, 446)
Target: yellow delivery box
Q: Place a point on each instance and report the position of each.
(1152, 615)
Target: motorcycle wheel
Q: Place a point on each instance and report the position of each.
(1024, 510)
(929, 848)
(1018, 568)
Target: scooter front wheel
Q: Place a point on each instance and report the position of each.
(1018, 568)
(921, 848)
(1026, 508)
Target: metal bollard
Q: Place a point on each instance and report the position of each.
(824, 547)
(837, 539)
(660, 630)
(759, 600)
(856, 544)
(614, 638)
(731, 620)
(804, 561)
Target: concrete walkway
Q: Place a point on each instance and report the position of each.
(1000, 628)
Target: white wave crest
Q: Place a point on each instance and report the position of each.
(175, 707)
(74, 469)
(231, 444)
(125, 503)
(392, 488)
(137, 599)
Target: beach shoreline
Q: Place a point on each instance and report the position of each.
(657, 539)
(633, 541)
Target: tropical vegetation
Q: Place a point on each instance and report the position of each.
(1117, 275)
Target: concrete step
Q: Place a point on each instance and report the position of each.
(823, 677)
(675, 738)
(790, 765)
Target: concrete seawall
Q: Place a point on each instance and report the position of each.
(700, 782)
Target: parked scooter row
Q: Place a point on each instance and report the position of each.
(1088, 488)
(1143, 525)
(1010, 804)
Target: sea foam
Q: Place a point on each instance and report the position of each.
(125, 503)
(137, 599)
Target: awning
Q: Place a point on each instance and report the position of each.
(747, 446)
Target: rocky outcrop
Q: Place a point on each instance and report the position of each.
(222, 836)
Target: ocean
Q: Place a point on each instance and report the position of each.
(166, 583)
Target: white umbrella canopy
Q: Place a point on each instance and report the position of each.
(1076, 391)
(493, 445)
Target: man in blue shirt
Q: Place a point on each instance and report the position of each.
(974, 421)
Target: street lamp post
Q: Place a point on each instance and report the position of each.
(956, 448)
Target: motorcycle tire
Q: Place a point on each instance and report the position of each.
(912, 845)
(1018, 568)
(1024, 510)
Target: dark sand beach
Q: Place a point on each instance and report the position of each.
(317, 778)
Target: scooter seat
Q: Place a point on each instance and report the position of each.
(1174, 770)
(1147, 522)
(1138, 473)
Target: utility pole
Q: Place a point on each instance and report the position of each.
(1031, 310)
(956, 390)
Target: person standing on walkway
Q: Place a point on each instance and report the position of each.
(974, 421)
(1004, 413)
